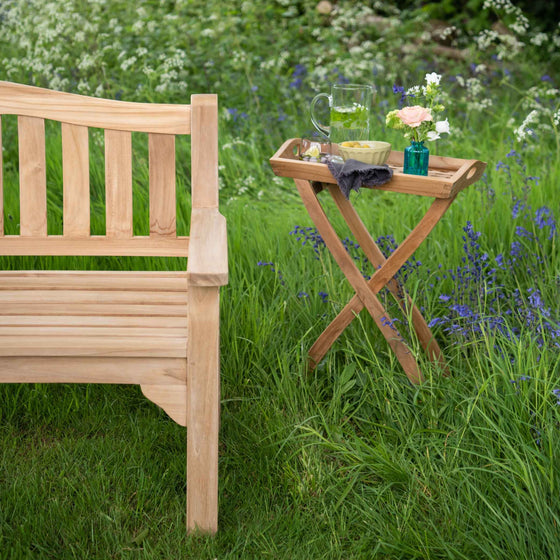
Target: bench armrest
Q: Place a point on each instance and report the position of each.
(208, 254)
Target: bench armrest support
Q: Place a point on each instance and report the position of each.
(208, 254)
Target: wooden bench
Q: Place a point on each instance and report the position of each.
(158, 329)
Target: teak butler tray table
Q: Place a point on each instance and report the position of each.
(446, 178)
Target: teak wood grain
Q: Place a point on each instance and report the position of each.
(158, 329)
(17, 99)
(118, 183)
(1, 184)
(32, 177)
(162, 184)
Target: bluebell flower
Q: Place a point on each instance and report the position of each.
(273, 269)
(522, 232)
(544, 217)
(517, 208)
(311, 235)
(535, 298)
(299, 70)
(515, 249)
(236, 114)
(386, 322)
(324, 296)
(462, 310)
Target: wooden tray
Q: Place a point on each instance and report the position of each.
(446, 176)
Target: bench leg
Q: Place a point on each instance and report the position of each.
(203, 404)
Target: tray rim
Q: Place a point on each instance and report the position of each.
(464, 172)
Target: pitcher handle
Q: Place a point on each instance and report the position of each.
(320, 127)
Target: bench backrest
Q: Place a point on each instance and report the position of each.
(119, 119)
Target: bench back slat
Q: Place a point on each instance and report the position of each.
(1, 185)
(32, 177)
(118, 183)
(162, 185)
(75, 180)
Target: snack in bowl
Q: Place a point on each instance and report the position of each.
(374, 152)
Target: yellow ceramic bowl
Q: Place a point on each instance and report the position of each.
(368, 151)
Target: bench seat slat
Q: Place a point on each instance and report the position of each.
(133, 321)
(101, 280)
(140, 310)
(67, 298)
(93, 346)
(64, 369)
(100, 330)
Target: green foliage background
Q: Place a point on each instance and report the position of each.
(350, 461)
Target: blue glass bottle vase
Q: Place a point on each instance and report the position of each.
(416, 158)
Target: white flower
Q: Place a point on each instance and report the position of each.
(433, 78)
(525, 129)
(432, 135)
(442, 127)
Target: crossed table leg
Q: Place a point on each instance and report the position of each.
(384, 276)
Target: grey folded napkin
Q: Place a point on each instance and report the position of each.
(352, 174)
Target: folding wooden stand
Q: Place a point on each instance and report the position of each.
(446, 178)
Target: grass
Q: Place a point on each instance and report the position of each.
(349, 461)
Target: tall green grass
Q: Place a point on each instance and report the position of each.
(347, 461)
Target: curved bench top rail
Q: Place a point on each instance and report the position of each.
(31, 101)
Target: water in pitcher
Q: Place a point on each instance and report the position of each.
(349, 123)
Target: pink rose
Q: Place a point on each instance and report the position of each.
(414, 116)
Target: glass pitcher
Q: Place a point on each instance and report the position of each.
(350, 106)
